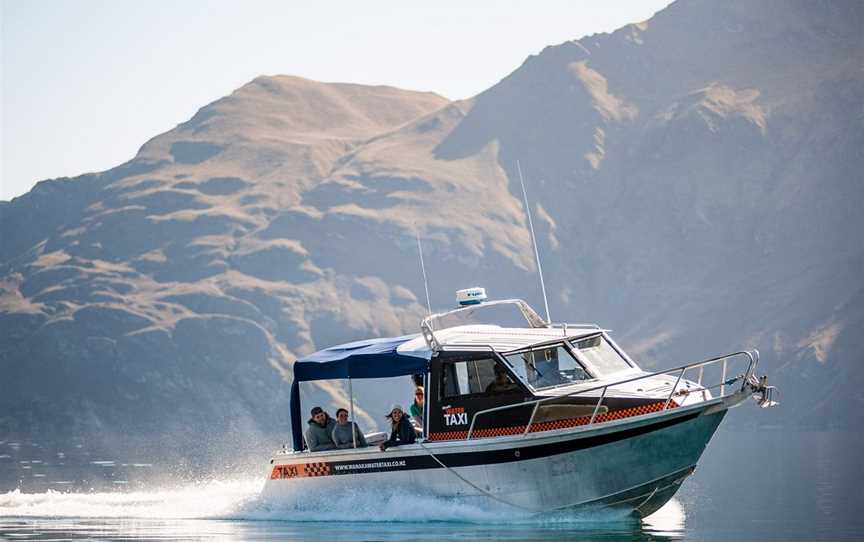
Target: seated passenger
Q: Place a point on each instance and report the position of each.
(342, 436)
(416, 411)
(318, 434)
(401, 430)
(502, 382)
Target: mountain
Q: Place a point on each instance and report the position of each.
(158, 299)
(695, 180)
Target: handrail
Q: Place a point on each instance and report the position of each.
(427, 324)
(566, 325)
(752, 355)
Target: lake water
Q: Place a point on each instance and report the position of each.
(749, 486)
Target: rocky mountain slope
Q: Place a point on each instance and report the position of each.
(695, 180)
(160, 298)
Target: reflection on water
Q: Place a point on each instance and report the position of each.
(749, 486)
(336, 531)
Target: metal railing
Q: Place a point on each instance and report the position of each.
(751, 355)
(567, 325)
(427, 325)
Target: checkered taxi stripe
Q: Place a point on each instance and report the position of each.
(302, 470)
(556, 424)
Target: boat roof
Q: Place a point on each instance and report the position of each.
(502, 339)
(395, 356)
(370, 358)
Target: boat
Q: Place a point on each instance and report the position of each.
(523, 414)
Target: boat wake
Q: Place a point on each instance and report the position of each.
(242, 500)
(200, 500)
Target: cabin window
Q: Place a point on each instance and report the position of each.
(600, 355)
(476, 376)
(550, 366)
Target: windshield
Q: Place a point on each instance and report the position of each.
(546, 367)
(510, 313)
(600, 355)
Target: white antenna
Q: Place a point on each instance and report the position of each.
(423, 269)
(534, 242)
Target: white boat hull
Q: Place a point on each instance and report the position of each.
(633, 464)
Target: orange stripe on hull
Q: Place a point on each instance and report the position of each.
(557, 424)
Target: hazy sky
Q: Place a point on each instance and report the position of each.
(85, 83)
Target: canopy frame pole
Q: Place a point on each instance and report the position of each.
(426, 392)
(351, 406)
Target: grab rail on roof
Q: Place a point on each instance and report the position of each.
(531, 317)
(566, 325)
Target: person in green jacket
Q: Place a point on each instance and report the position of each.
(416, 410)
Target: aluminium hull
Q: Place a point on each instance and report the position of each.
(633, 465)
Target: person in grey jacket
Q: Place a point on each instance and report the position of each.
(319, 433)
(342, 436)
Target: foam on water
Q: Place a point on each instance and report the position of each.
(197, 500)
(381, 506)
(242, 500)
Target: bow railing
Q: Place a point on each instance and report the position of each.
(751, 356)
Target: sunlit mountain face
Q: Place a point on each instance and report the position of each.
(695, 182)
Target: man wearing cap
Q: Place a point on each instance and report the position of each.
(318, 435)
(402, 432)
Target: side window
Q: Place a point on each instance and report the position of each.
(481, 372)
(450, 382)
(476, 376)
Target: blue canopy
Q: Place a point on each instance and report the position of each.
(372, 358)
